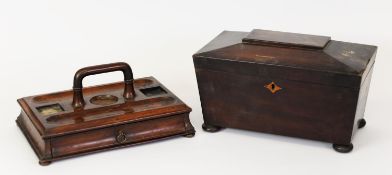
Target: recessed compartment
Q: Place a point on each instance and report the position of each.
(50, 109)
(104, 100)
(153, 91)
(142, 82)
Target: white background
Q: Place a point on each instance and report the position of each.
(43, 43)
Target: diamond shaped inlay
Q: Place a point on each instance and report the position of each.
(273, 87)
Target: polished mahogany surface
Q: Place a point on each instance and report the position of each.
(93, 116)
(283, 83)
(91, 119)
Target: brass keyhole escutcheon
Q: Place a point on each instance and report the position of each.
(273, 87)
(121, 137)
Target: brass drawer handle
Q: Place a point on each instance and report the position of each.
(121, 137)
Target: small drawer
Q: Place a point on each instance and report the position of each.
(118, 135)
(84, 141)
(151, 129)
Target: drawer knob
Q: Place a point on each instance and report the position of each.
(121, 137)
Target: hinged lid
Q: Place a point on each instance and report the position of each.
(73, 111)
(281, 55)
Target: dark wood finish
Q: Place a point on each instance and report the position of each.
(361, 123)
(211, 128)
(283, 83)
(268, 37)
(343, 148)
(129, 92)
(61, 125)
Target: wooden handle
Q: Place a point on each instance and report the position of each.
(129, 92)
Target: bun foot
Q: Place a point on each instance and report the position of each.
(44, 162)
(189, 135)
(361, 123)
(343, 148)
(210, 128)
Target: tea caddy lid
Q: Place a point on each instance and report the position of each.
(290, 52)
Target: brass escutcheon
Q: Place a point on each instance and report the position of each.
(121, 137)
(273, 87)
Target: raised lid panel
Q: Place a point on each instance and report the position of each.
(268, 37)
(338, 64)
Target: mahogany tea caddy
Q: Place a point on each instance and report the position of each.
(283, 83)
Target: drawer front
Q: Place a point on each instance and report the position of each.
(152, 129)
(83, 142)
(277, 106)
(118, 135)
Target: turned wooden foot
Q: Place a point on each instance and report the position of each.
(210, 128)
(361, 123)
(44, 162)
(343, 148)
(189, 135)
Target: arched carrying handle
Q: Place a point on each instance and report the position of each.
(129, 92)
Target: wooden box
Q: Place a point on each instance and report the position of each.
(282, 83)
(85, 120)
